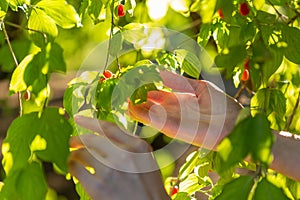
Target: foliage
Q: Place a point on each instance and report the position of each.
(265, 34)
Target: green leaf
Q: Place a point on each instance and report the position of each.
(31, 183)
(292, 37)
(116, 44)
(188, 167)
(260, 101)
(251, 136)
(238, 189)
(258, 4)
(55, 58)
(94, 10)
(104, 99)
(267, 191)
(18, 147)
(83, 195)
(17, 82)
(35, 73)
(190, 63)
(204, 35)
(234, 33)
(61, 12)
(83, 8)
(227, 9)
(231, 58)
(34, 69)
(278, 107)
(3, 8)
(261, 139)
(269, 59)
(265, 17)
(193, 184)
(25, 184)
(182, 196)
(21, 49)
(277, 2)
(129, 6)
(15, 3)
(44, 25)
(247, 33)
(206, 11)
(140, 94)
(57, 133)
(294, 187)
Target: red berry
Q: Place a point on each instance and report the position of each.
(245, 75)
(121, 11)
(220, 12)
(244, 9)
(247, 64)
(101, 80)
(107, 74)
(174, 191)
(26, 95)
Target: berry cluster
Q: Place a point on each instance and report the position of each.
(107, 75)
(244, 10)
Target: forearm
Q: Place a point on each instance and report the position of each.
(286, 152)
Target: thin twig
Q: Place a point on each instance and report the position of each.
(290, 120)
(110, 35)
(24, 28)
(239, 91)
(294, 18)
(281, 16)
(2, 25)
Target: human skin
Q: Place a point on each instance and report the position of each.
(286, 148)
(163, 110)
(116, 173)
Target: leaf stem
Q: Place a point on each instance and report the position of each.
(110, 35)
(2, 25)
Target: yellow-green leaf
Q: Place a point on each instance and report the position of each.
(44, 26)
(17, 82)
(61, 12)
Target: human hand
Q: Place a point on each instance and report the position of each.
(123, 164)
(196, 112)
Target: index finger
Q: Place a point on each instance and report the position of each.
(182, 84)
(112, 132)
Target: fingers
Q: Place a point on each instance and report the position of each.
(108, 129)
(180, 83)
(140, 112)
(116, 138)
(90, 183)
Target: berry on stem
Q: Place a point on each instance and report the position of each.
(26, 95)
(174, 191)
(244, 9)
(107, 74)
(101, 80)
(220, 12)
(121, 10)
(245, 75)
